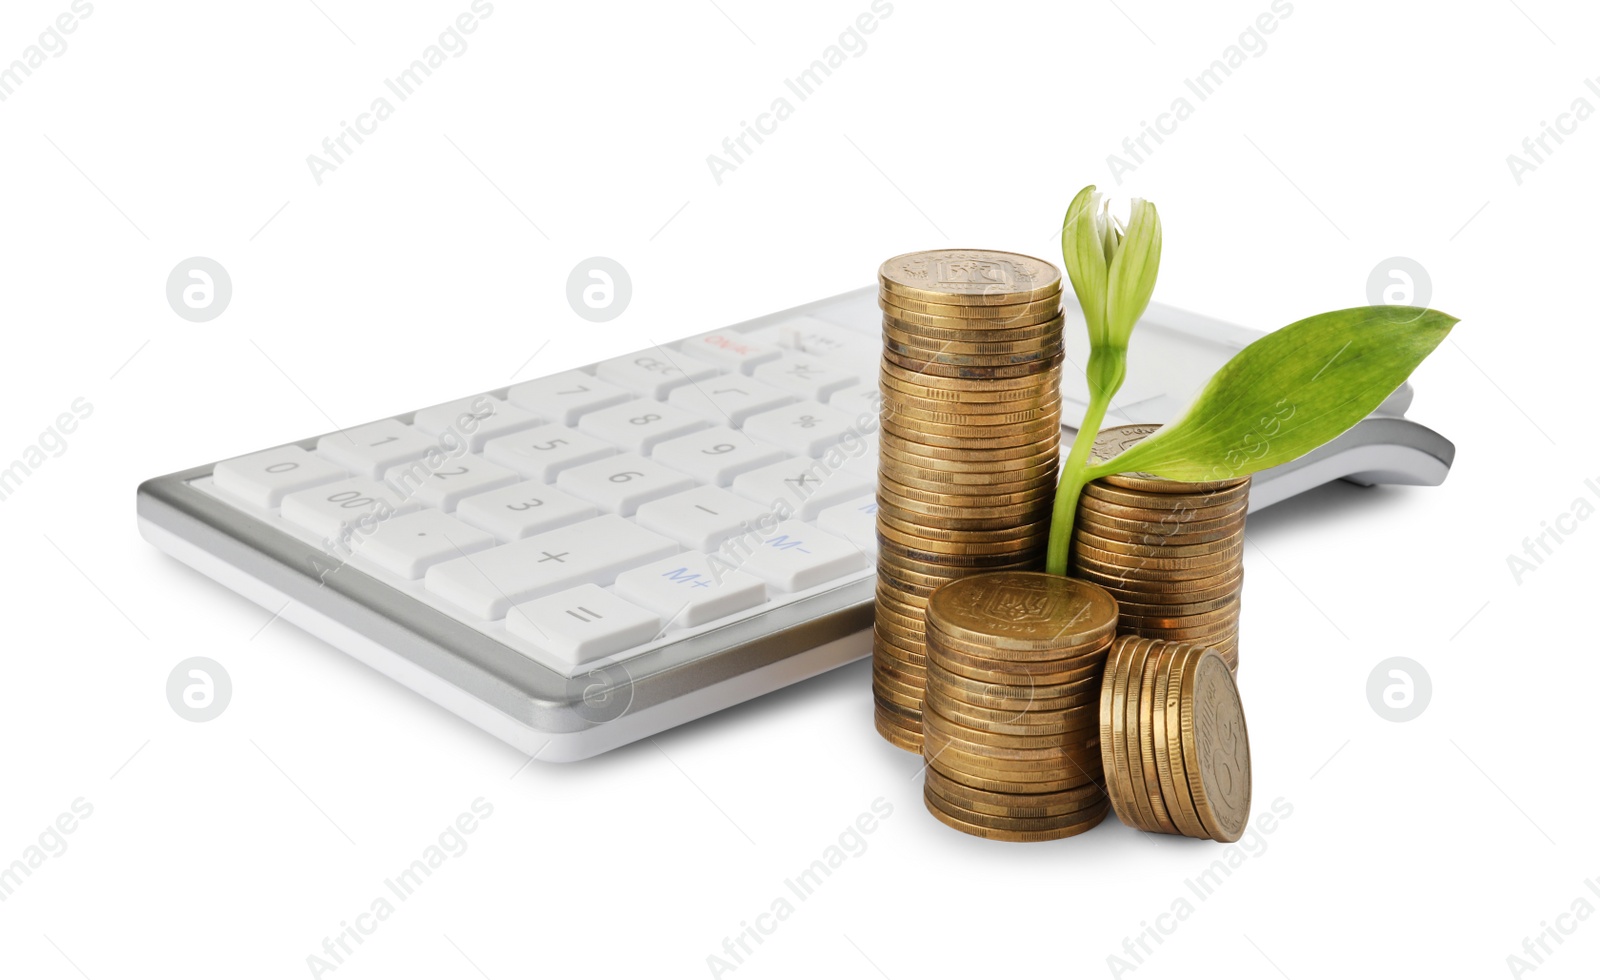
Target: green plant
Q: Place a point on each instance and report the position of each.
(1279, 398)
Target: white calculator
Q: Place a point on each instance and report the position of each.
(589, 558)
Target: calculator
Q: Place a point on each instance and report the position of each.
(585, 559)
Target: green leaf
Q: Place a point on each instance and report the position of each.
(1288, 393)
(1085, 253)
(1132, 276)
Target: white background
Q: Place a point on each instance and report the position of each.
(432, 264)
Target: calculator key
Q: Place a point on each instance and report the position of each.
(522, 509)
(686, 590)
(807, 485)
(804, 428)
(407, 545)
(797, 556)
(545, 450)
(582, 624)
(487, 584)
(653, 372)
(565, 396)
(619, 484)
(729, 348)
(264, 478)
(640, 424)
(715, 455)
(369, 450)
(730, 398)
(810, 377)
(862, 402)
(476, 419)
(827, 340)
(344, 509)
(701, 518)
(856, 521)
(444, 486)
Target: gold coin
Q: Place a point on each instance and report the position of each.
(897, 733)
(1023, 611)
(969, 562)
(1053, 667)
(1011, 811)
(900, 375)
(1147, 742)
(1174, 784)
(1113, 440)
(1156, 531)
(1033, 496)
(914, 517)
(1000, 834)
(965, 364)
(1087, 538)
(969, 277)
(1129, 610)
(927, 477)
(1046, 385)
(1014, 697)
(970, 311)
(1166, 501)
(1135, 572)
(897, 333)
(964, 548)
(898, 677)
(1114, 755)
(886, 518)
(1215, 617)
(1005, 781)
(1001, 721)
(885, 693)
(1143, 537)
(935, 435)
(981, 760)
(1017, 399)
(931, 368)
(1216, 747)
(1137, 593)
(1175, 519)
(974, 798)
(909, 412)
(894, 459)
(1226, 554)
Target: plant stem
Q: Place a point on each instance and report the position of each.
(1106, 369)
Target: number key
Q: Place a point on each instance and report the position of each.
(640, 424)
(544, 451)
(715, 455)
(522, 509)
(619, 484)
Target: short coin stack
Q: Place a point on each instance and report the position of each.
(970, 442)
(1173, 742)
(1172, 553)
(1011, 719)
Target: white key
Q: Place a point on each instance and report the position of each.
(806, 485)
(804, 428)
(797, 556)
(856, 521)
(729, 348)
(522, 509)
(730, 398)
(715, 455)
(640, 424)
(827, 340)
(688, 591)
(810, 377)
(701, 518)
(653, 372)
(369, 450)
(264, 478)
(407, 545)
(582, 624)
(444, 486)
(619, 484)
(476, 419)
(862, 402)
(339, 511)
(487, 584)
(566, 396)
(545, 450)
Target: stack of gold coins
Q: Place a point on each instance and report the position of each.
(1011, 719)
(1172, 553)
(1173, 742)
(970, 437)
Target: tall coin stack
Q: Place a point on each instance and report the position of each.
(1173, 741)
(1011, 720)
(970, 442)
(1172, 553)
